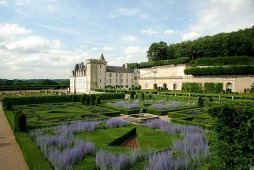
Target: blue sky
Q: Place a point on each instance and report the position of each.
(45, 38)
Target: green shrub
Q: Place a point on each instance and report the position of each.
(142, 96)
(111, 113)
(98, 100)
(192, 87)
(132, 95)
(232, 141)
(200, 101)
(20, 122)
(8, 106)
(228, 70)
(87, 100)
(83, 98)
(213, 87)
(92, 99)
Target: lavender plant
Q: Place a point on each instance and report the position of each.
(115, 122)
(192, 149)
(62, 149)
(106, 160)
(166, 105)
(126, 105)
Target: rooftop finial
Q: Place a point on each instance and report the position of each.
(102, 57)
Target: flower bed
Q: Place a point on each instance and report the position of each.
(64, 148)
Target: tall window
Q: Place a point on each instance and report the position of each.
(174, 86)
(100, 66)
(110, 75)
(109, 80)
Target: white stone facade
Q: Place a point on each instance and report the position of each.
(95, 74)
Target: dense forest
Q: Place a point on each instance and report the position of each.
(238, 43)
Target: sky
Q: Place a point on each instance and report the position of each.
(44, 39)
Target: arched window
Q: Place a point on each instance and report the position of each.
(155, 86)
(164, 86)
(174, 86)
(229, 87)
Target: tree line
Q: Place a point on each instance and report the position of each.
(17, 84)
(238, 43)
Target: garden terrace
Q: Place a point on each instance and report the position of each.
(197, 116)
(87, 145)
(55, 113)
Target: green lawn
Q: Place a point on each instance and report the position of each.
(149, 139)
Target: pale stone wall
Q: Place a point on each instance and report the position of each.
(173, 77)
(78, 84)
(120, 79)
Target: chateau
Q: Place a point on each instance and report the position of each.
(95, 74)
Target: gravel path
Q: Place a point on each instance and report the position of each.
(11, 157)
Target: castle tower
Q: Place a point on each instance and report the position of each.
(96, 73)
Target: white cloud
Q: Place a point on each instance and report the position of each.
(128, 38)
(33, 44)
(10, 31)
(169, 32)
(223, 16)
(190, 36)
(124, 12)
(108, 49)
(3, 2)
(26, 55)
(149, 32)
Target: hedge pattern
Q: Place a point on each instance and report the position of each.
(58, 98)
(227, 70)
(181, 60)
(221, 61)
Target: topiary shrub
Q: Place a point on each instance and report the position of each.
(142, 96)
(8, 106)
(20, 122)
(132, 95)
(92, 99)
(200, 101)
(87, 100)
(83, 98)
(98, 100)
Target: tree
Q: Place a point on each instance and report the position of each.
(158, 51)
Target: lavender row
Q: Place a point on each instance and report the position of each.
(115, 122)
(107, 160)
(126, 105)
(192, 149)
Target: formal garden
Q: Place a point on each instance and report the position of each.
(87, 131)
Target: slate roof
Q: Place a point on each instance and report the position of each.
(118, 69)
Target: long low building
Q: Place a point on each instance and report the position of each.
(172, 77)
(95, 74)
